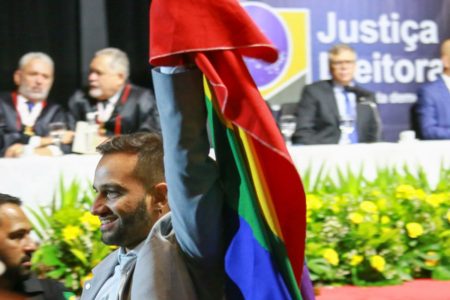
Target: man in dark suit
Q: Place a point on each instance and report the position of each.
(433, 104)
(25, 114)
(337, 111)
(16, 249)
(120, 106)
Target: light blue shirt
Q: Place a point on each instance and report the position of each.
(341, 101)
(125, 265)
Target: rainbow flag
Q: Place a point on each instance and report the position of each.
(266, 200)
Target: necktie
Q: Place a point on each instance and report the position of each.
(30, 105)
(350, 113)
(126, 262)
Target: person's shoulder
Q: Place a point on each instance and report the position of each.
(5, 96)
(319, 85)
(138, 88)
(50, 288)
(317, 88)
(79, 96)
(163, 229)
(364, 92)
(431, 85)
(141, 95)
(53, 106)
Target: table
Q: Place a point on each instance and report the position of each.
(429, 155)
(35, 179)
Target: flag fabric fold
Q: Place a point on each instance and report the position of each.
(264, 259)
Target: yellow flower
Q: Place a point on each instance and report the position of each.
(405, 191)
(335, 208)
(368, 206)
(331, 256)
(382, 203)
(356, 218)
(378, 263)
(90, 221)
(375, 193)
(448, 215)
(71, 233)
(420, 194)
(435, 199)
(376, 218)
(414, 230)
(313, 202)
(308, 216)
(385, 220)
(356, 260)
(432, 259)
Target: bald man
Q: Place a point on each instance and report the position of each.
(433, 104)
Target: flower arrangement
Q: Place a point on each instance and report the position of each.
(362, 232)
(374, 232)
(70, 237)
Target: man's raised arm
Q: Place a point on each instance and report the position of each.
(195, 194)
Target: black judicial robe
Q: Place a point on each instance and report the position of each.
(11, 129)
(135, 111)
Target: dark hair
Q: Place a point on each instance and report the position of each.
(5, 199)
(149, 149)
(8, 199)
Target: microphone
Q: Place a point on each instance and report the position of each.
(361, 94)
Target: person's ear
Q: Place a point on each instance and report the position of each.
(122, 78)
(446, 61)
(17, 77)
(159, 199)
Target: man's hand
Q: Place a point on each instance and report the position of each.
(42, 151)
(67, 137)
(14, 150)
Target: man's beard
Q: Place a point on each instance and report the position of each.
(95, 92)
(128, 231)
(17, 275)
(34, 95)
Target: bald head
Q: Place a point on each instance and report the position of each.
(445, 56)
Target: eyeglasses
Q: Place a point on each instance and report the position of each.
(338, 63)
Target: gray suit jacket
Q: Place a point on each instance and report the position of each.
(160, 271)
(318, 116)
(182, 257)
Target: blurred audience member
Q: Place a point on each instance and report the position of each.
(120, 106)
(25, 114)
(16, 249)
(433, 105)
(337, 110)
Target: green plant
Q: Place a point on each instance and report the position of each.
(373, 232)
(70, 237)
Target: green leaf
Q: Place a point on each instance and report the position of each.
(48, 255)
(441, 273)
(80, 255)
(56, 274)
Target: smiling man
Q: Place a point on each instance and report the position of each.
(131, 190)
(16, 250)
(163, 255)
(337, 111)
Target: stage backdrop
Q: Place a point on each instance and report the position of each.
(397, 44)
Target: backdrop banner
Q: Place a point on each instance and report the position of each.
(397, 44)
